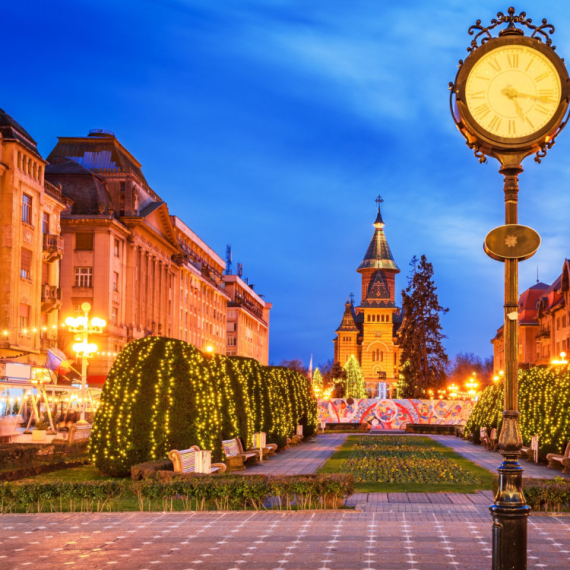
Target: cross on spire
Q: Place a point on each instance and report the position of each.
(379, 201)
(351, 299)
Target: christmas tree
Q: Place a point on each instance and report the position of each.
(317, 383)
(423, 359)
(355, 387)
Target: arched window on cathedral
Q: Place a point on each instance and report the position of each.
(368, 318)
(382, 318)
(381, 357)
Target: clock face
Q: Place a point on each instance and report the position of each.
(513, 91)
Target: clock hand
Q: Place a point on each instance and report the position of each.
(511, 93)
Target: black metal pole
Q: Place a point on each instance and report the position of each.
(510, 511)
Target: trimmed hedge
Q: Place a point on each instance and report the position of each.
(545, 494)
(180, 492)
(544, 400)
(439, 429)
(164, 394)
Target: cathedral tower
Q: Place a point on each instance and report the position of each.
(369, 331)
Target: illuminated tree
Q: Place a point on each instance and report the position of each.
(163, 394)
(544, 400)
(355, 386)
(423, 359)
(317, 382)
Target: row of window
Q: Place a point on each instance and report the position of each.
(378, 318)
(561, 321)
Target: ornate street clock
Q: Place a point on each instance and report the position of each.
(510, 100)
(511, 93)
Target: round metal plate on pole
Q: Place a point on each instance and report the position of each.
(511, 241)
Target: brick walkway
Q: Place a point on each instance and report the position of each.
(262, 540)
(300, 459)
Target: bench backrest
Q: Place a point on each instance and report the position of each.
(567, 450)
(494, 433)
(232, 447)
(534, 442)
(187, 460)
(79, 433)
(483, 432)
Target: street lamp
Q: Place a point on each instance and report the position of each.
(471, 385)
(560, 362)
(82, 327)
(452, 389)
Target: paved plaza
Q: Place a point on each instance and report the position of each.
(412, 531)
(423, 540)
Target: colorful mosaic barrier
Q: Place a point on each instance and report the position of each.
(394, 414)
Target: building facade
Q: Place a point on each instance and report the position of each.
(30, 248)
(369, 331)
(248, 321)
(544, 324)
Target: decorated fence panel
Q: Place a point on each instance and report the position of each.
(395, 414)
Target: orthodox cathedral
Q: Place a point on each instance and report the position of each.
(369, 331)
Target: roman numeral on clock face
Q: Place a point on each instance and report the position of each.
(495, 123)
(512, 129)
(513, 59)
(542, 109)
(481, 110)
(542, 76)
(546, 92)
(478, 95)
(495, 64)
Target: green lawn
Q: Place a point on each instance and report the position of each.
(406, 464)
(75, 475)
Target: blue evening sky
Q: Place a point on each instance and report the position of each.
(273, 125)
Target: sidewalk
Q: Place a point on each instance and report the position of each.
(299, 459)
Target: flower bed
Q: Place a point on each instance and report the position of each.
(393, 459)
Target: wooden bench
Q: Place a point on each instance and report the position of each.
(184, 461)
(554, 459)
(76, 434)
(531, 451)
(484, 437)
(493, 444)
(236, 457)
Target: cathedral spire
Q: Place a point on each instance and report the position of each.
(378, 254)
(347, 324)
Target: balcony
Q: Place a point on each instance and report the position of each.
(51, 298)
(543, 334)
(53, 247)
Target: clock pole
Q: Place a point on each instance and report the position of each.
(493, 66)
(510, 511)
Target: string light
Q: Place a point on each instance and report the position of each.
(162, 393)
(544, 400)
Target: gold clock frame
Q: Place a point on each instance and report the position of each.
(482, 141)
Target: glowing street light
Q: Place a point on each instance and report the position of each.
(560, 362)
(82, 327)
(471, 386)
(452, 389)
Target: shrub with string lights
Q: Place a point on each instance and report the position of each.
(164, 394)
(544, 400)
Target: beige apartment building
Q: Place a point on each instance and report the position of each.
(30, 248)
(203, 301)
(142, 270)
(247, 322)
